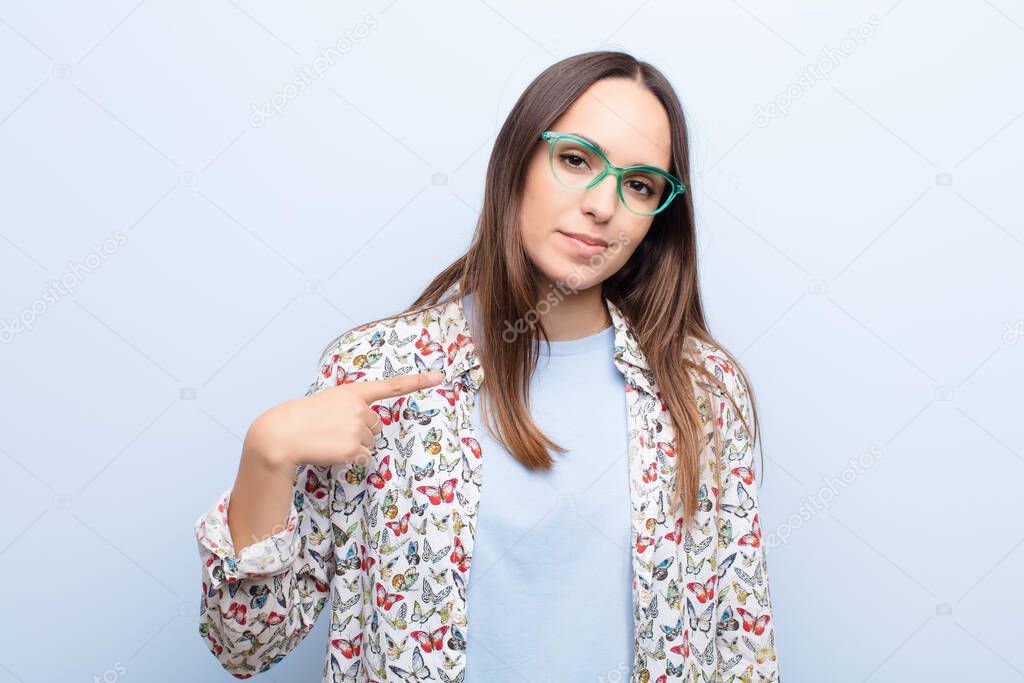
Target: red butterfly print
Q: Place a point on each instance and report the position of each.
(753, 538)
(666, 448)
(363, 327)
(430, 641)
(745, 474)
(474, 445)
(676, 535)
(368, 562)
(274, 618)
(328, 368)
(347, 377)
(349, 648)
(459, 556)
(401, 526)
(448, 394)
(703, 591)
(725, 364)
(750, 623)
(459, 342)
(651, 473)
(385, 599)
(426, 345)
(642, 542)
(314, 486)
(236, 612)
(382, 475)
(436, 494)
(389, 414)
(684, 647)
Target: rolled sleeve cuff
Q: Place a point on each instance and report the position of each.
(271, 556)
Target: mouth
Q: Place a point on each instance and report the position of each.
(583, 246)
(585, 239)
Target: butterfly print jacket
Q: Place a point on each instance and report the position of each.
(388, 543)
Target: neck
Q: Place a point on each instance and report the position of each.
(574, 315)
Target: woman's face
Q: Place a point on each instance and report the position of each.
(629, 122)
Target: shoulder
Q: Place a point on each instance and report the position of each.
(384, 348)
(723, 366)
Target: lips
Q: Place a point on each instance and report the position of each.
(594, 241)
(581, 248)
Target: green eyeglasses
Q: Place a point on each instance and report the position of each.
(578, 164)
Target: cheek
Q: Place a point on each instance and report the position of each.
(630, 237)
(542, 204)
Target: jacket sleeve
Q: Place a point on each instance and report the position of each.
(745, 630)
(257, 605)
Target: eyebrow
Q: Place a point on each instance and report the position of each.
(605, 152)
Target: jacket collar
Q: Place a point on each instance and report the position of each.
(457, 344)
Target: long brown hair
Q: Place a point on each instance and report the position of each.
(657, 289)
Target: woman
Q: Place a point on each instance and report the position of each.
(633, 554)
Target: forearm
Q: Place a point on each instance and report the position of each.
(261, 498)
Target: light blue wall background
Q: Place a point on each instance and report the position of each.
(861, 252)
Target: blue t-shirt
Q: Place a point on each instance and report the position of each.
(549, 597)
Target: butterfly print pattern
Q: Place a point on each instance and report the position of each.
(389, 544)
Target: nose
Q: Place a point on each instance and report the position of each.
(601, 200)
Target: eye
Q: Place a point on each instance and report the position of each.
(573, 160)
(643, 187)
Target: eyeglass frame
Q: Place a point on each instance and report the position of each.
(677, 186)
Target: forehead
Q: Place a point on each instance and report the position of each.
(623, 117)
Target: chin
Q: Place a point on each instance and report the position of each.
(567, 275)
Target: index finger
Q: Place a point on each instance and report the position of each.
(375, 390)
